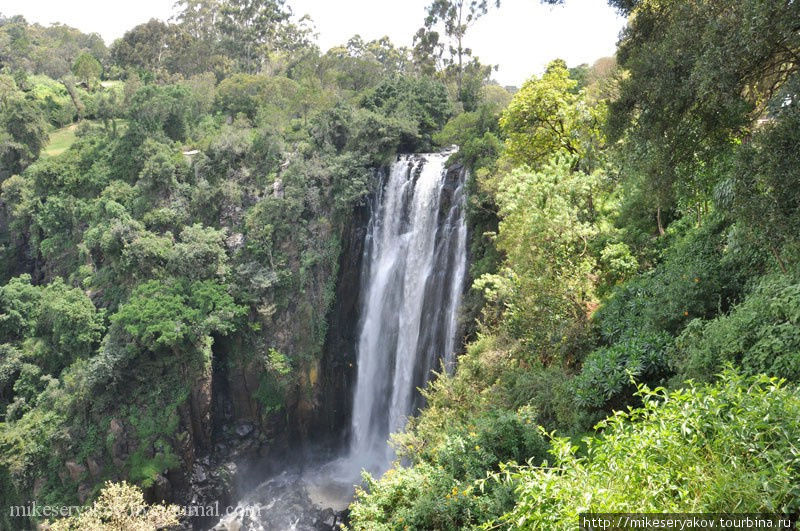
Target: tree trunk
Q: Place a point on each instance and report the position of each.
(778, 258)
(70, 86)
(459, 79)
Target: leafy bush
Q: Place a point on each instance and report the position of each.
(439, 491)
(52, 96)
(617, 264)
(422, 102)
(23, 133)
(760, 335)
(247, 94)
(605, 378)
(763, 191)
(419, 497)
(728, 447)
(120, 507)
(477, 136)
(545, 283)
(549, 390)
(702, 274)
(177, 312)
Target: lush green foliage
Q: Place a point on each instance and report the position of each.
(546, 117)
(176, 312)
(669, 254)
(762, 191)
(697, 449)
(700, 73)
(49, 50)
(761, 334)
(544, 229)
(606, 376)
(422, 103)
(483, 416)
(188, 219)
(23, 133)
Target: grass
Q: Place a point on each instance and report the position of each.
(60, 141)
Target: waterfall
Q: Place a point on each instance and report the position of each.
(412, 276)
(414, 268)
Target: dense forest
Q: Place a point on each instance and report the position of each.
(175, 206)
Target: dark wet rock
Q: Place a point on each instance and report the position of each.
(95, 469)
(282, 502)
(244, 429)
(328, 518)
(162, 488)
(199, 474)
(84, 490)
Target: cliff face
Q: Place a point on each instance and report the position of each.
(317, 403)
(333, 396)
(240, 420)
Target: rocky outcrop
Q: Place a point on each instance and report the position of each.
(228, 439)
(337, 367)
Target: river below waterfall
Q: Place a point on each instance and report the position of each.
(412, 280)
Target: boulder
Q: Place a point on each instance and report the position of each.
(75, 470)
(244, 429)
(94, 468)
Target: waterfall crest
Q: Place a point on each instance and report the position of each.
(415, 263)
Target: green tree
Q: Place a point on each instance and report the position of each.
(49, 50)
(762, 191)
(23, 134)
(455, 17)
(545, 228)
(698, 75)
(144, 47)
(250, 29)
(200, 254)
(422, 102)
(87, 69)
(177, 313)
(546, 117)
(199, 18)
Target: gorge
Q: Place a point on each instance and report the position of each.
(238, 264)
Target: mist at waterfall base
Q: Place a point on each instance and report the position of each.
(412, 278)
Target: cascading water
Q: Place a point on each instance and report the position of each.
(415, 258)
(412, 278)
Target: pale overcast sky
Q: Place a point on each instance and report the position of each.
(521, 37)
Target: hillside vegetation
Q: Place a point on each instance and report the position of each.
(636, 286)
(173, 207)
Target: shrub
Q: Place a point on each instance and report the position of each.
(701, 275)
(730, 446)
(761, 334)
(421, 101)
(440, 490)
(605, 378)
(120, 507)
